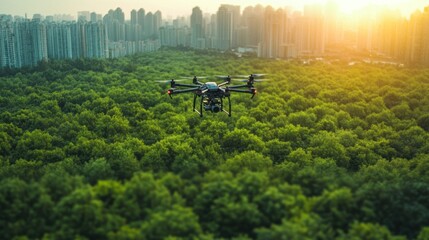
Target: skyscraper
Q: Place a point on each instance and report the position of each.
(134, 18)
(253, 18)
(148, 25)
(141, 14)
(424, 59)
(197, 29)
(333, 24)
(115, 23)
(96, 41)
(274, 33)
(314, 14)
(59, 38)
(231, 17)
(7, 46)
(157, 22)
(224, 28)
(83, 16)
(132, 29)
(39, 42)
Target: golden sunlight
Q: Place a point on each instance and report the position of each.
(348, 6)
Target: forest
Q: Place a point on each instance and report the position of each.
(95, 149)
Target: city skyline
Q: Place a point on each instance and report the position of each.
(45, 7)
(318, 31)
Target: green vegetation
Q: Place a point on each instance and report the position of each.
(95, 149)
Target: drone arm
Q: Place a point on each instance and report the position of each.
(224, 83)
(250, 91)
(186, 85)
(175, 91)
(239, 86)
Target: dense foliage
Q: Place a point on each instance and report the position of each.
(95, 149)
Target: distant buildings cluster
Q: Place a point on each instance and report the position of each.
(318, 31)
(25, 42)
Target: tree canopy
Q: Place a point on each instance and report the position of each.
(94, 149)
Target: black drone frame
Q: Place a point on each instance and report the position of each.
(201, 90)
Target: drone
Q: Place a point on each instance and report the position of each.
(212, 95)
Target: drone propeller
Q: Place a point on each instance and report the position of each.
(258, 75)
(226, 79)
(246, 80)
(169, 81)
(239, 80)
(193, 77)
(255, 75)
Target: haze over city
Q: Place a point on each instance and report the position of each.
(179, 8)
(109, 29)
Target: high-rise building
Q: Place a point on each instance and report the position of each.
(273, 43)
(197, 29)
(211, 31)
(234, 10)
(7, 46)
(386, 37)
(253, 18)
(334, 31)
(224, 28)
(314, 14)
(134, 18)
(22, 43)
(96, 41)
(93, 17)
(132, 29)
(115, 24)
(83, 16)
(157, 22)
(141, 22)
(424, 59)
(59, 39)
(148, 25)
(39, 42)
(417, 52)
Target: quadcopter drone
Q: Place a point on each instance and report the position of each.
(211, 94)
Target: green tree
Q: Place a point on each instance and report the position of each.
(327, 145)
(142, 196)
(336, 208)
(26, 209)
(97, 169)
(423, 122)
(81, 214)
(177, 222)
(368, 231)
(305, 226)
(240, 140)
(249, 160)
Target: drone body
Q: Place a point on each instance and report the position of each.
(212, 95)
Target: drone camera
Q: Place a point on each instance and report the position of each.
(215, 108)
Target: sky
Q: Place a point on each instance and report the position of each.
(171, 8)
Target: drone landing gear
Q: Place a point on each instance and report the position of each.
(201, 106)
(215, 109)
(229, 105)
